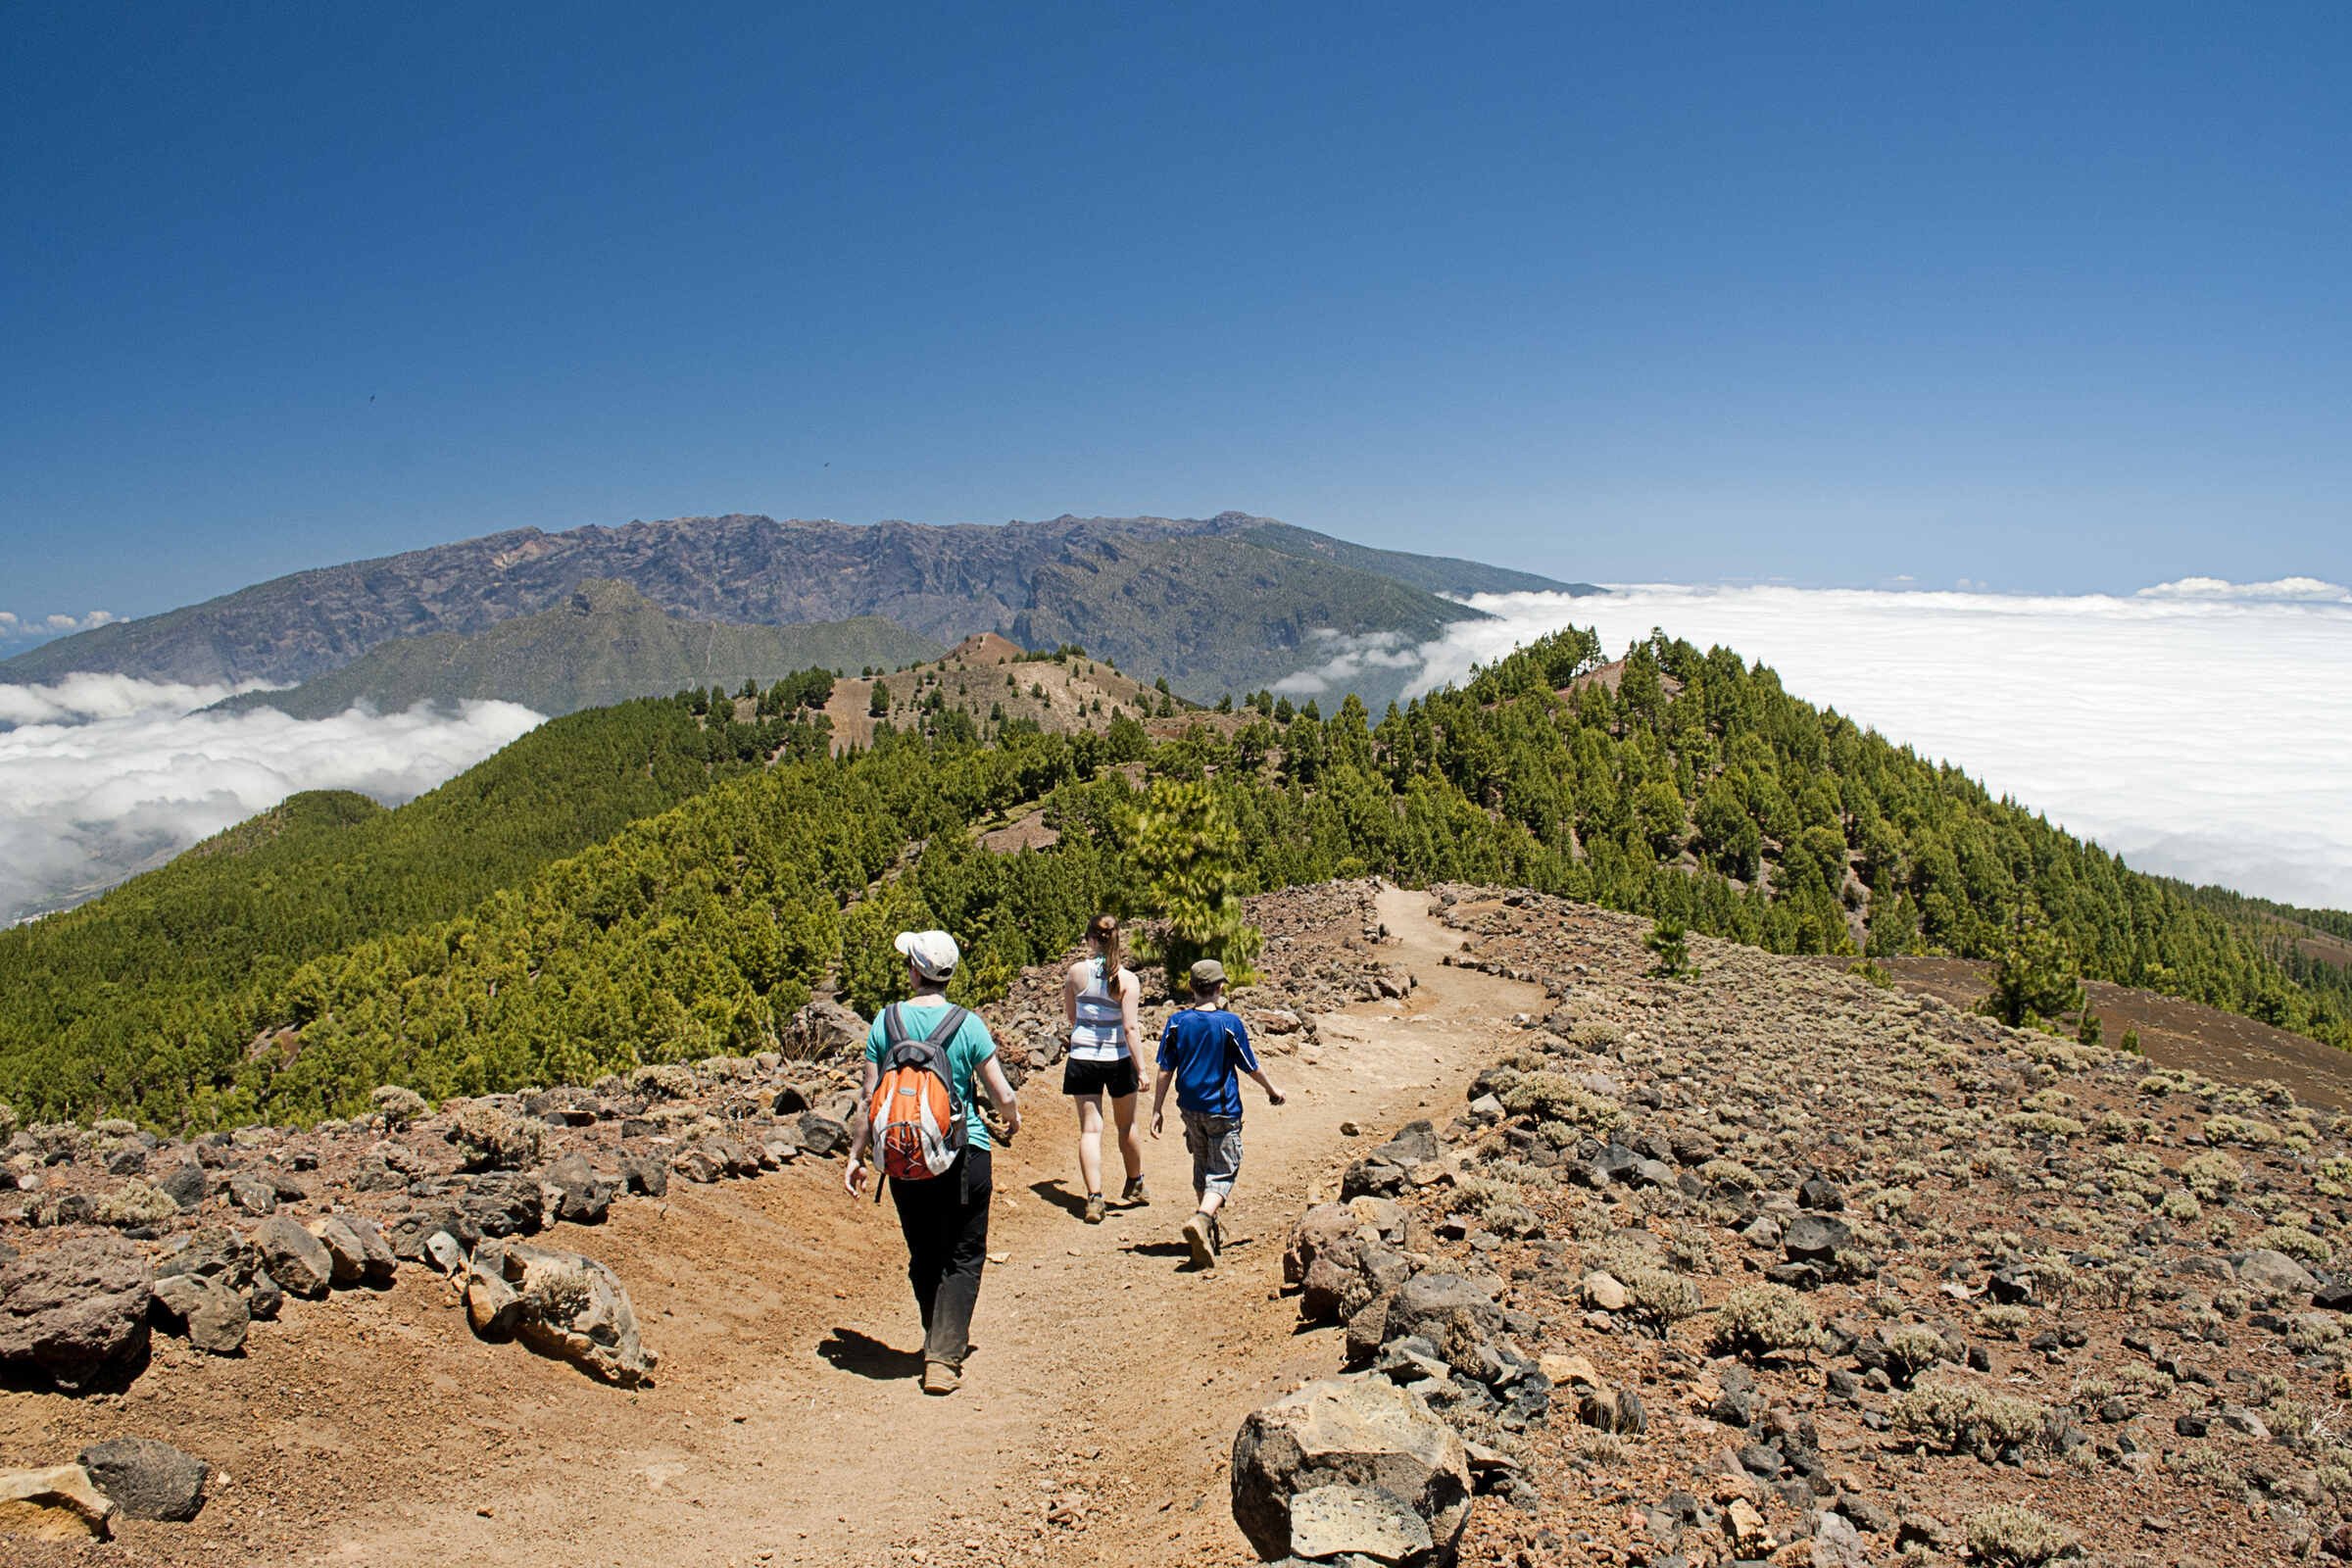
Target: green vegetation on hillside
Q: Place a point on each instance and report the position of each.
(2313, 948)
(1439, 574)
(607, 644)
(1731, 808)
(1225, 615)
(99, 1000)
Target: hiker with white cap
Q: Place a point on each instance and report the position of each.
(1202, 1052)
(923, 1124)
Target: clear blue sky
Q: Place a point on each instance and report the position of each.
(2058, 297)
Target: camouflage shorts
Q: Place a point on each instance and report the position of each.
(1216, 1146)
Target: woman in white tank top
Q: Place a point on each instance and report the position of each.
(1099, 999)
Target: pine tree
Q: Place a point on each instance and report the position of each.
(1189, 855)
(2034, 977)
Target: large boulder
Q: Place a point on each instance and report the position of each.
(491, 1308)
(2275, 1274)
(1340, 1264)
(212, 1252)
(570, 1188)
(1323, 1225)
(75, 1312)
(1350, 1465)
(824, 1029)
(355, 1249)
(185, 1183)
(212, 1316)
(1457, 1315)
(502, 1202)
(823, 1136)
(294, 1257)
(56, 1503)
(1810, 1238)
(346, 1255)
(575, 1308)
(147, 1479)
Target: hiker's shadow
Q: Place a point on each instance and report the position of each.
(1061, 1197)
(868, 1357)
(1175, 1250)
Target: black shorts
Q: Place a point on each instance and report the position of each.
(1117, 1079)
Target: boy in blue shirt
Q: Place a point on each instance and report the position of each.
(1202, 1052)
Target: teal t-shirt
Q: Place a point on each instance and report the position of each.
(973, 1046)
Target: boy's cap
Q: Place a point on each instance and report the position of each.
(1207, 975)
(933, 954)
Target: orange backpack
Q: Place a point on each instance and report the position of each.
(916, 1116)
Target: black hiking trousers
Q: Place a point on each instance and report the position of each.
(945, 1224)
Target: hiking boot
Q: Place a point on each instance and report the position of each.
(941, 1378)
(1199, 1233)
(1134, 1196)
(1094, 1208)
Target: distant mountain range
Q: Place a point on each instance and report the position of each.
(604, 644)
(1225, 603)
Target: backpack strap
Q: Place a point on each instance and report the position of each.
(943, 1033)
(894, 1028)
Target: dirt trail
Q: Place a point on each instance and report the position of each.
(1093, 1424)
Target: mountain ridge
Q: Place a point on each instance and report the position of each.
(604, 644)
(943, 583)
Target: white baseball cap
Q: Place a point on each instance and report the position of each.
(933, 954)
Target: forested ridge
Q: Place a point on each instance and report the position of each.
(93, 992)
(1727, 804)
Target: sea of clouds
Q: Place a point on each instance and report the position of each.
(103, 776)
(2201, 728)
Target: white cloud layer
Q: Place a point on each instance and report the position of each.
(14, 625)
(2301, 590)
(105, 776)
(2202, 729)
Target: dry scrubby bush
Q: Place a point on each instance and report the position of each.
(1912, 1348)
(1963, 1418)
(1550, 1096)
(1661, 1298)
(492, 1138)
(2240, 1130)
(2212, 1176)
(1720, 1172)
(663, 1080)
(134, 1202)
(398, 1105)
(1762, 1320)
(2297, 1242)
(2333, 1179)
(2048, 1123)
(2003, 1319)
(1597, 1036)
(2312, 1332)
(2008, 1534)
(2209, 1463)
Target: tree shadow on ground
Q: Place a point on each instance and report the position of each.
(868, 1357)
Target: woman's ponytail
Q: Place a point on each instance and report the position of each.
(1103, 931)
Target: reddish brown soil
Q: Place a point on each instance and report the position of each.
(2172, 1032)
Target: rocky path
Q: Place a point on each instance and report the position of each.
(1097, 1412)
